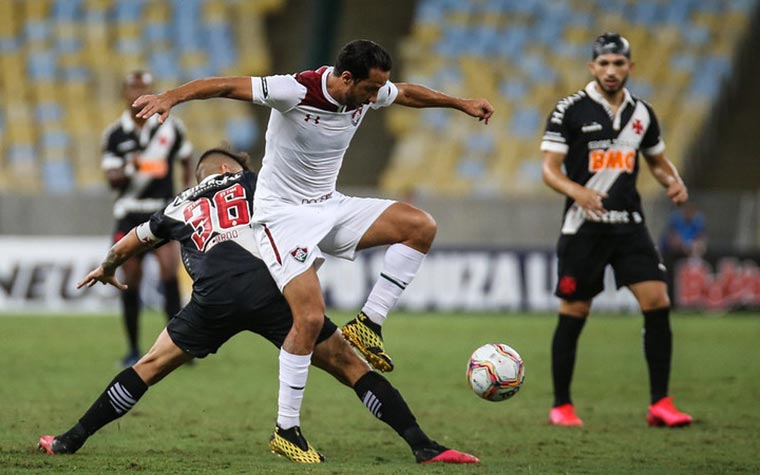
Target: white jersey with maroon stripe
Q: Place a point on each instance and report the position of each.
(307, 136)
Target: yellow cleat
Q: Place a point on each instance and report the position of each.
(366, 336)
(293, 445)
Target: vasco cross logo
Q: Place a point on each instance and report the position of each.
(300, 254)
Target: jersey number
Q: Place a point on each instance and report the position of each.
(231, 210)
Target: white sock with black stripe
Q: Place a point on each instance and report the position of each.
(399, 268)
(294, 371)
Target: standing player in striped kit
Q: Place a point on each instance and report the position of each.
(597, 133)
(139, 158)
(300, 214)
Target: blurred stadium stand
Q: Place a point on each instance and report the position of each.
(62, 61)
(524, 56)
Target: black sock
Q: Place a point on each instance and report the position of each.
(658, 349)
(131, 302)
(121, 394)
(564, 345)
(171, 298)
(387, 404)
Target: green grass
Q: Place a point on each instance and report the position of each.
(216, 417)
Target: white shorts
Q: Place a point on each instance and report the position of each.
(292, 238)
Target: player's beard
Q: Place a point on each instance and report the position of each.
(608, 90)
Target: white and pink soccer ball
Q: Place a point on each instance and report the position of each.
(495, 372)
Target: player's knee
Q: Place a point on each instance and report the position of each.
(655, 302)
(422, 228)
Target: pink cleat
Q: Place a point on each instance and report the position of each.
(664, 413)
(564, 415)
(46, 444)
(438, 453)
(453, 456)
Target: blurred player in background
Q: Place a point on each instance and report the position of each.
(299, 213)
(232, 291)
(138, 159)
(597, 134)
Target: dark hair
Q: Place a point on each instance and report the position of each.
(610, 43)
(359, 56)
(138, 75)
(241, 158)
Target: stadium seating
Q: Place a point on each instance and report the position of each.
(62, 61)
(524, 56)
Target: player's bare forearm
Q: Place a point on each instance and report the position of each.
(126, 247)
(588, 199)
(418, 96)
(667, 175)
(552, 174)
(234, 87)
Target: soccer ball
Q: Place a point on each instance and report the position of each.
(495, 372)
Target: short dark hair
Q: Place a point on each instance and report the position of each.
(359, 56)
(610, 43)
(241, 158)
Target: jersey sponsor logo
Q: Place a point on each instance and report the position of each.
(592, 127)
(612, 159)
(320, 199)
(300, 254)
(559, 112)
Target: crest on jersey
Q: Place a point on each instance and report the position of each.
(300, 254)
(356, 116)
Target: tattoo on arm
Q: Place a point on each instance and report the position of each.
(112, 261)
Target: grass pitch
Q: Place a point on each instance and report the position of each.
(216, 417)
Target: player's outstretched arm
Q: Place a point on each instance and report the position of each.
(237, 87)
(665, 172)
(588, 199)
(415, 95)
(125, 248)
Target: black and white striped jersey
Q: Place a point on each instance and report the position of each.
(211, 221)
(147, 156)
(602, 152)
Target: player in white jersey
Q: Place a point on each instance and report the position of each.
(299, 214)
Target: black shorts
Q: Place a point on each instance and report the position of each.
(582, 258)
(201, 329)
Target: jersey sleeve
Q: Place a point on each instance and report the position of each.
(281, 92)
(183, 146)
(159, 228)
(112, 159)
(556, 134)
(652, 143)
(385, 96)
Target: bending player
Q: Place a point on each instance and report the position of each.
(232, 292)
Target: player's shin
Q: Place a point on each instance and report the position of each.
(399, 268)
(658, 349)
(564, 346)
(387, 404)
(294, 371)
(119, 397)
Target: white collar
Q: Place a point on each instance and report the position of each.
(210, 177)
(129, 125)
(327, 95)
(598, 97)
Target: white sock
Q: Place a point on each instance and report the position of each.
(399, 268)
(294, 370)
